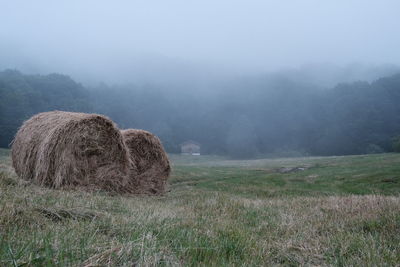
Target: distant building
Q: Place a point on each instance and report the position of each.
(190, 148)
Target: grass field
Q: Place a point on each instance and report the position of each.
(295, 211)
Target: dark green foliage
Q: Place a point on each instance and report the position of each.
(244, 118)
(21, 96)
(396, 143)
(263, 115)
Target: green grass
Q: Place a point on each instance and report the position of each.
(372, 174)
(339, 211)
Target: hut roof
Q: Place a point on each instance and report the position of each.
(189, 142)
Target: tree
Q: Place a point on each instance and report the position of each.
(396, 143)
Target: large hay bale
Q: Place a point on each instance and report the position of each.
(153, 167)
(65, 149)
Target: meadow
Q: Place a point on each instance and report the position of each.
(335, 211)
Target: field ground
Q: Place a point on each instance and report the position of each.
(294, 211)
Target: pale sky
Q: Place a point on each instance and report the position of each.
(95, 36)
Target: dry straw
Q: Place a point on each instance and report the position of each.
(153, 167)
(65, 149)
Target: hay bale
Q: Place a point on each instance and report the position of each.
(153, 167)
(65, 149)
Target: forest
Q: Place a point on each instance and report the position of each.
(242, 117)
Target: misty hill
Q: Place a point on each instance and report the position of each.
(241, 117)
(21, 96)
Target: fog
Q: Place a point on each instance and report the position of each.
(242, 78)
(154, 41)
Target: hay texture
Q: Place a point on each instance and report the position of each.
(151, 161)
(65, 149)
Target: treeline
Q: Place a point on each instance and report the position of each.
(245, 117)
(21, 96)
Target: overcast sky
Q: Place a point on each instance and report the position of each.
(248, 35)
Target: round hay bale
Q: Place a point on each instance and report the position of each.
(153, 167)
(65, 149)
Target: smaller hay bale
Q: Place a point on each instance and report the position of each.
(151, 161)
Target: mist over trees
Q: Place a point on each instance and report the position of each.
(242, 78)
(241, 117)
